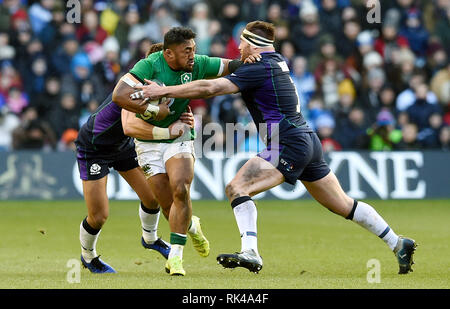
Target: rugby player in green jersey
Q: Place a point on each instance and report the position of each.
(169, 162)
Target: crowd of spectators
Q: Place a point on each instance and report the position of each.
(375, 78)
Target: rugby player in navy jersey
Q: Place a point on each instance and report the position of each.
(102, 144)
(293, 152)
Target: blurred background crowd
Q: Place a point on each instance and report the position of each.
(381, 85)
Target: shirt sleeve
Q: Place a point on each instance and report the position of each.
(248, 76)
(142, 70)
(209, 66)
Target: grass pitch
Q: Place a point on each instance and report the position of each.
(303, 246)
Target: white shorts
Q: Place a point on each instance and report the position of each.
(152, 157)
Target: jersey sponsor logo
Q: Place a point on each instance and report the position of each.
(95, 169)
(289, 166)
(283, 65)
(186, 78)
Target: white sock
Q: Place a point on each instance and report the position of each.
(366, 216)
(88, 241)
(176, 250)
(246, 216)
(149, 222)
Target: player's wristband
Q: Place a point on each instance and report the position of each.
(161, 133)
(233, 65)
(151, 111)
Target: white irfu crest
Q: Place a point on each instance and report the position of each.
(186, 78)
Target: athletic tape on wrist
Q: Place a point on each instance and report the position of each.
(161, 133)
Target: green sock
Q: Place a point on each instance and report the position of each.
(177, 242)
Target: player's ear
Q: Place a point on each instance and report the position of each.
(168, 53)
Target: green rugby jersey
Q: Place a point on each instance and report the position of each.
(156, 67)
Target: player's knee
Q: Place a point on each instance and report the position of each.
(150, 203)
(232, 190)
(99, 219)
(180, 191)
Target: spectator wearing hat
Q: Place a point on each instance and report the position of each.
(316, 108)
(62, 58)
(67, 140)
(325, 125)
(370, 100)
(305, 35)
(108, 69)
(372, 60)
(382, 135)
(347, 95)
(415, 32)
(364, 45)
(389, 41)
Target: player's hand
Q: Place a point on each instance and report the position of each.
(253, 58)
(188, 118)
(164, 110)
(152, 90)
(178, 128)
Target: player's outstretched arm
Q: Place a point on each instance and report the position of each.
(193, 90)
(232, 65)
(122, 92)
(138, 128)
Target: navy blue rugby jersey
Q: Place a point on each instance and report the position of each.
(103, 128)
(270, 95)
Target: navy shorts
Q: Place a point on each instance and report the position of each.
(300, 159)
(95, 165)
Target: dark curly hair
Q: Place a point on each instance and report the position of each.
(178, 35)
(154, 48)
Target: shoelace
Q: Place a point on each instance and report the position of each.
(162, 243)
(97, 264)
